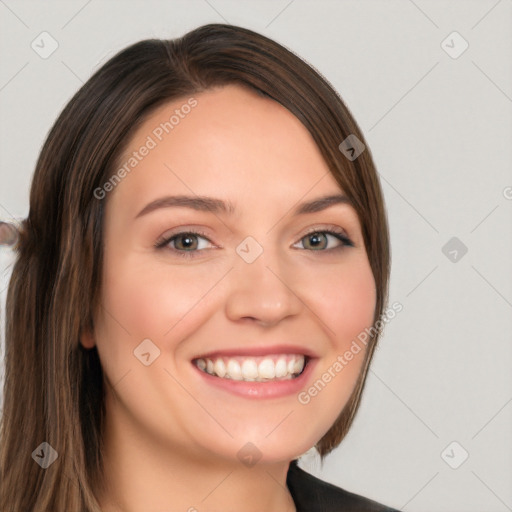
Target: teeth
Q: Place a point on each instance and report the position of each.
(299, 365)
(281, 368)
(249, 369)
(266, 369)
(219, 368)
(234, 370)
(259, 369)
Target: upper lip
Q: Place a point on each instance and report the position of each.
(258, 351)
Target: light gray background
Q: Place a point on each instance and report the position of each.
(440, 131)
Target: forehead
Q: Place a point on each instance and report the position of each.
(227, 141)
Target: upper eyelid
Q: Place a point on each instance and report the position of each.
(196, 230)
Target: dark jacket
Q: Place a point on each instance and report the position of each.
(311, 494)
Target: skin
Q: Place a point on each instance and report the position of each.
(171, 439)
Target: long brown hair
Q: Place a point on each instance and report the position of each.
(54, 388)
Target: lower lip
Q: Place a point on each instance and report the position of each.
(269, 389)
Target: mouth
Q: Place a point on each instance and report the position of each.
(265, 368)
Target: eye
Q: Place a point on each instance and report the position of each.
(318, 240)
(185, 243)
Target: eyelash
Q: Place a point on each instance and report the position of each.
(340, 235)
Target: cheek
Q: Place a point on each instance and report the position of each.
(345, 300)
(154, 301)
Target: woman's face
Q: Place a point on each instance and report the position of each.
(254, 289)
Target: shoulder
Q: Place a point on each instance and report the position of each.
(311, 494)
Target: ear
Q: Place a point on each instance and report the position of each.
(87, 339)
(8, 234)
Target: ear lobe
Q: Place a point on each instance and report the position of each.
(87, 339)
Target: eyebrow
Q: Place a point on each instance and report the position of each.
(210, 204)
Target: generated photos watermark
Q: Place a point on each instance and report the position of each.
(151, 142)
(304, 397)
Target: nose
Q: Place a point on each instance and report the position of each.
(262, 292)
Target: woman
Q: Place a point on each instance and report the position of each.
(206, 241)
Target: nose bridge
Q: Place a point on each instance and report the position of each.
(259, 286)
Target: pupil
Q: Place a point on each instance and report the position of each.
(315, 238)
(188, 241)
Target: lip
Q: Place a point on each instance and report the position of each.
(261, 390)
(259, 351)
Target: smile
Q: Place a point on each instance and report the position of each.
(269, 368)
